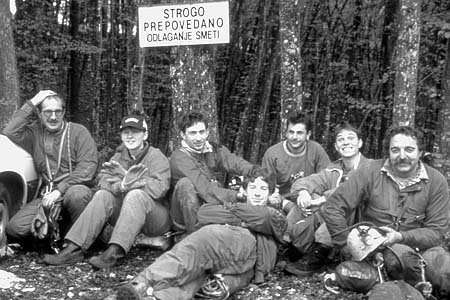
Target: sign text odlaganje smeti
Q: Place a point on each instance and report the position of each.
(186, 24)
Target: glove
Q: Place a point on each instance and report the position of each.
(134, 178)
(39, 225)
(113, 168)
(275, 200)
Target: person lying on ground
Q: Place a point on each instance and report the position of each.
(306, 227)
(133, 185)
(65, 157)
(195, 168)
(236, 242)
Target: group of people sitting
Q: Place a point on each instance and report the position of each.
(297, 197)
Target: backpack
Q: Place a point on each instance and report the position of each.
(394, 290)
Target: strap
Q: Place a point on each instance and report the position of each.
(68, 148)
(61, 145)
(49, 172)
(401, 213)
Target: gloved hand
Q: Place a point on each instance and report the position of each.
(133, 178)
(39, 225)
(113, 168)
(304, 199)
(275, 200)
(392, 236)
(50, 198)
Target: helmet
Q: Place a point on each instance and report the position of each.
(363, 240)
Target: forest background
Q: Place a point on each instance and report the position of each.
(372, 63)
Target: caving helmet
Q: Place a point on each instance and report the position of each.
(363, 240)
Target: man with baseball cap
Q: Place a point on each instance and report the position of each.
(131, 198)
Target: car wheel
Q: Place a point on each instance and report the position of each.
(5, 201)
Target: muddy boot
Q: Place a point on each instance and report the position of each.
(69, 255)
(315, 261)
(108, 258)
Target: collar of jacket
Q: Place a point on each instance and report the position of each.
(140, 155)
(206, 148)
(420, 175)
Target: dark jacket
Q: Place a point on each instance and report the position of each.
(157, 177)
(380, 201)
(201, 170)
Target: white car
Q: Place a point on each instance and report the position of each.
(18, 181)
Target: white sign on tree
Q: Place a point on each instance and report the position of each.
(184, 24)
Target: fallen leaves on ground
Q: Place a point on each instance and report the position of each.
(80, 281)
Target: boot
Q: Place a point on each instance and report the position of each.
(69, 255)
(316, 261)
(108, 258)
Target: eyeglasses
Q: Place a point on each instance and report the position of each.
(49, 113)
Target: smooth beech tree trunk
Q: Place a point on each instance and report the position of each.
(9, 79)
(291, 81)
(406, 63)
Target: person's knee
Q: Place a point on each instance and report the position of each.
(134, 194)
(185, 194)
(16, 230)
(184, 186)
(137, 196)
(77, 195)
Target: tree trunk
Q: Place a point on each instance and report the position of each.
(75, 64)
(135, 81)
(291, 81)
(193, 87)
(406, 63)
(9, 78)
(135, 62)
(444, 123)
(97, 106)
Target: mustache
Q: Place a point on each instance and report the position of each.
(402, 161)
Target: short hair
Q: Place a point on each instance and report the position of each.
(407, 131)
(57, 98)
(299, 117)
(191, 119)
(265, 174)
(344, 125)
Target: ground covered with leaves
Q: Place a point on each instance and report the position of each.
(79, 281)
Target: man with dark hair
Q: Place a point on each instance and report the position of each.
(194, 167)
(131, 199)
(305, 218)
(65, 156)
(407, 200)
(297, 156)
(235, 244)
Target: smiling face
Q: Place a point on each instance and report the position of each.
(52, 114)
(133, 138)
(296, 137)
(404, 155)
(257, 192)
(195, 136)
(347, 143)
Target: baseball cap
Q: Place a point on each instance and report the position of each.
(134, 121)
